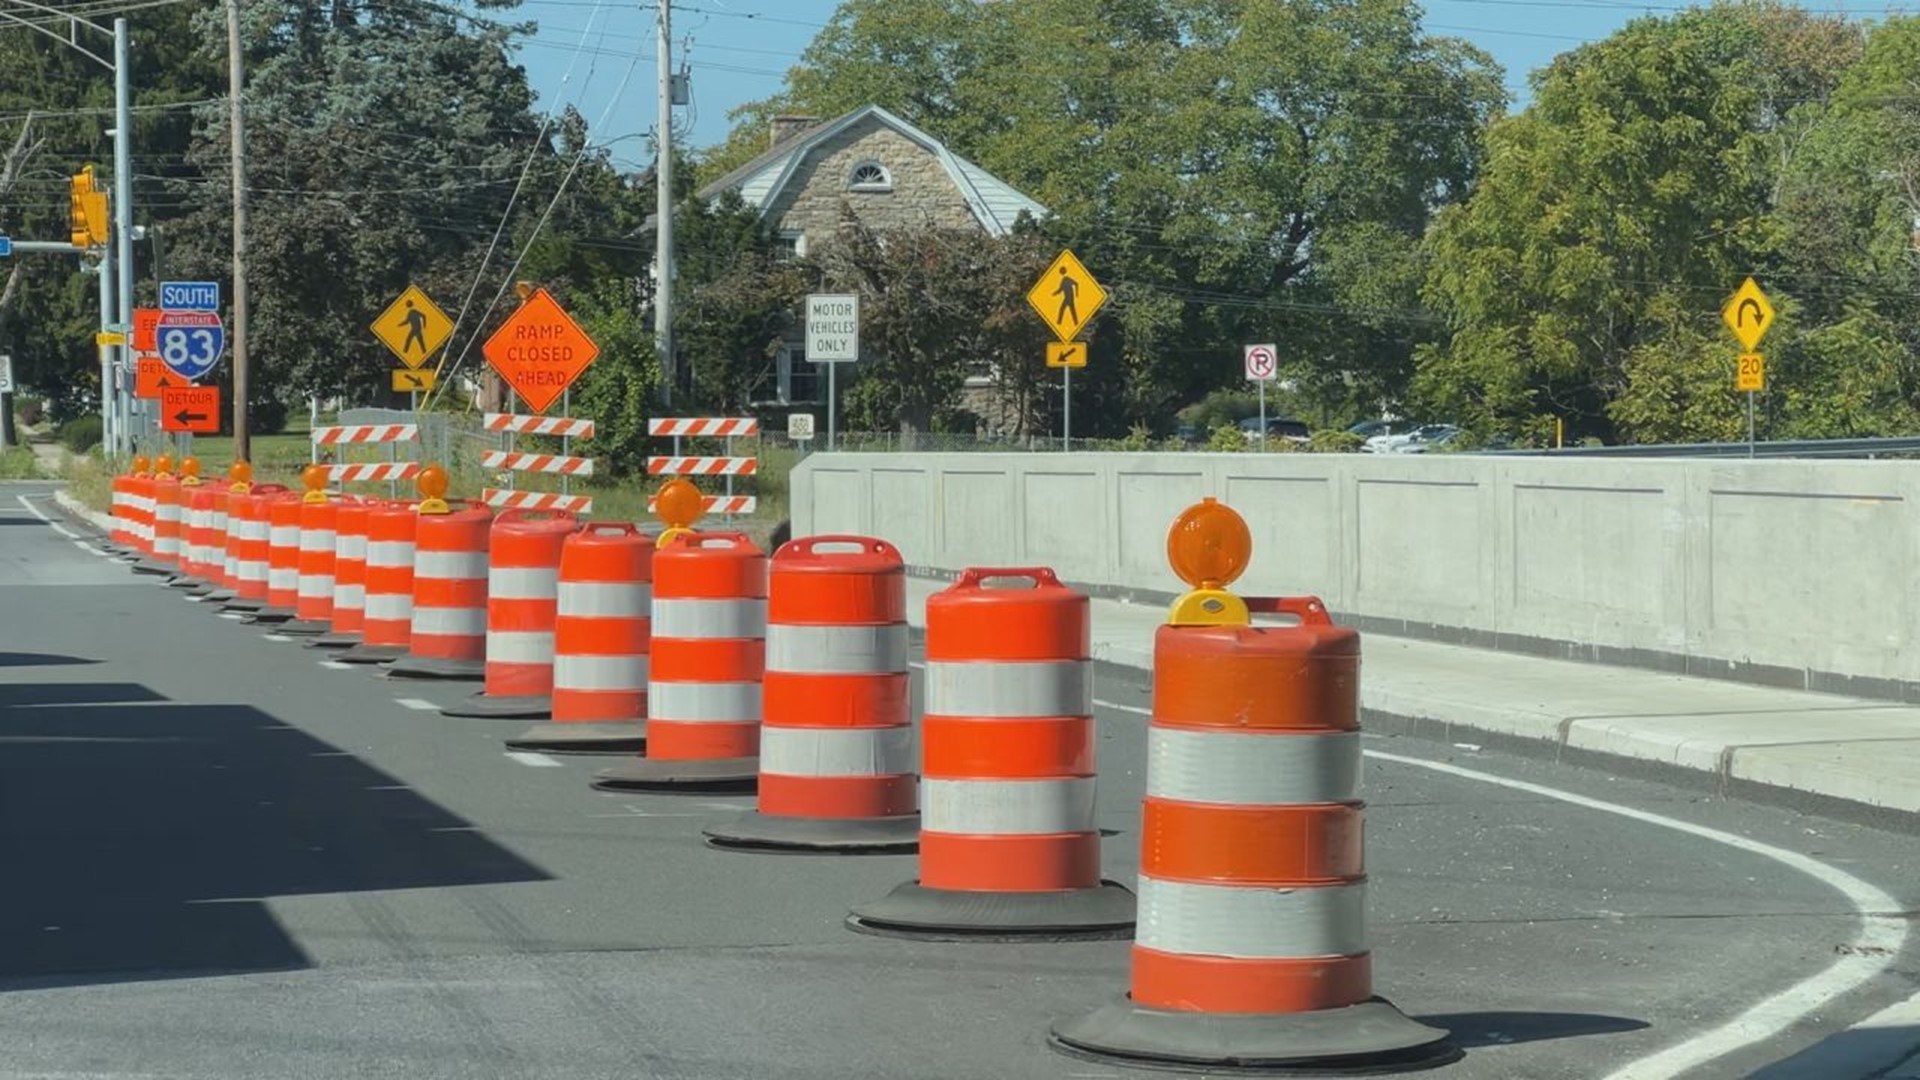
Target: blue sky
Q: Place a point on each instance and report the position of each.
(739, 50)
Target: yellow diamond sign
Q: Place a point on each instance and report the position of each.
(413, 327)
(1066, 297)
(1748, 314)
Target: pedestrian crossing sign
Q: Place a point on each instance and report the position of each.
(1066, 297)
(413, 327)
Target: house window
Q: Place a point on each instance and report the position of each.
(800, 381)
(790, 243)
(870, 176)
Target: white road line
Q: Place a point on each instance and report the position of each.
(539, 761)
(335, 665)
(1881, 936)
(416, 704)
(275, 637)
(88, 548)
(56, 526)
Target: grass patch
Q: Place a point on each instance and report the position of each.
(90, 481)
(17, 463)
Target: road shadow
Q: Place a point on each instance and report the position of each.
(31, 694)
(1859, 1051)
(141, 840)
(36, 659)
(1481, 1029)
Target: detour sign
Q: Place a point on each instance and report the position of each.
(540, 350)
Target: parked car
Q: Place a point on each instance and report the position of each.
(1367, 429)
(1430, 437)
(1278, 427)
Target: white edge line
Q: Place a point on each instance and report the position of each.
(56, 526)
(1881, 936)
(526, 757)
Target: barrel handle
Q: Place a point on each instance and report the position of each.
(521, 513)
(714, 539)
(268, 489)
(1308, 609)
(1041, 576)
(806, 544)
(625, 528)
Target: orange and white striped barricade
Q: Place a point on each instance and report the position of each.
(164, 556)
(523, 601)
(836, 739)
(209, 501)
(121, 536)
(283, 559)
(550, 501)
(386, 622)
(600, 642)
(140, 509)
(449, 638)
(247, 545)
(703, 427)
(704, 671)
(348, 608)
(187, 480)
(1252, 946)
(200, 554)
(313, 596)
(1009, 849)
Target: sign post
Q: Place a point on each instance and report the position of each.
(1066, 298)
(1263, 366)
(7, 434)
(1749, 314)
(833, 338)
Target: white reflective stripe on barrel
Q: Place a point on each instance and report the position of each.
(1007, 807)
(1237, 769)
(709, 618)
(450, 565)
(837, 650)
(703, 702)
(389, 553)
(217, 519)
(786, 751)
(523, 583)
(284, 536)
(627, 674)
(316, 540)
(1010, 688)
(389, 607)
(450, 621)
(605, 599)
(350, 546)
(248, 570)
(315, 586)
(349, 597)
(283, 578)
(255, 530)
(520, 646)
(1251, 921)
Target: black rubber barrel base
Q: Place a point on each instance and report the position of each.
(157, 569)
(1101, 913)
(222, 596)
(433, 667)
(242, 606)
(1368, 1039)
(305, 627)
(372, 654)
(669, 775)
(271, 615)
(334, 641)
(185, 582)
(577, 737)
(484, 706)
(852, 836)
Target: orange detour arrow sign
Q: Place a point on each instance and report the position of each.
(540, 350)
(151, 378)
(190, 408)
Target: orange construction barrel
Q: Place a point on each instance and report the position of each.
(602, 633)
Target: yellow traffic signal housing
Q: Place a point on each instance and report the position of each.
(87, 214)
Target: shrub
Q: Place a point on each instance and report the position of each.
(1226, 438)
(266, 416)
(1335, 442)
(80, 434)
(31, 412)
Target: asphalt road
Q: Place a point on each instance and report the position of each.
(223, 859)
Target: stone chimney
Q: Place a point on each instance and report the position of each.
(786, 127)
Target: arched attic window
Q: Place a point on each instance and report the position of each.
(870, 176)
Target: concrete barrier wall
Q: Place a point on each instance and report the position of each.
(1794, 573)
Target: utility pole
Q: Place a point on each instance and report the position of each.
(123, 236)
(663, 212)
(242, 449)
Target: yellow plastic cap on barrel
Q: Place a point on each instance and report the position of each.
(314, 478)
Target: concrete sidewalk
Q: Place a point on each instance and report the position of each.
(1858, 750)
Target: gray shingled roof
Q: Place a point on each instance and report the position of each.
(996, 204)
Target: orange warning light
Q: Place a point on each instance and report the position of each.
(432, 483)
(163, 465)
(240, 475)
(190, 471)
(141, 465)
(314, 477)
(1208, 547)
(678, 505)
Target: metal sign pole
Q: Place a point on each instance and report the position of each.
(566, 441)
(1263, 413)
(833, 398)
(1749, 423)
(1066, 409)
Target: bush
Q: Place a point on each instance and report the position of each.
(266, 416)
(80, 434)
(16, 463)
(1227, 438)
(1335, 442)
(31, 412)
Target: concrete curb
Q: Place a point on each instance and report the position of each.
(82, 511)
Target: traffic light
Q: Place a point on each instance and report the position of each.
(87, 216)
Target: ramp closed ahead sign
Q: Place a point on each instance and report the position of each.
(540, 350)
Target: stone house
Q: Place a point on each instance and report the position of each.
(890, 175)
